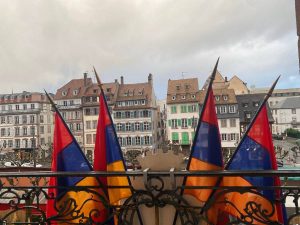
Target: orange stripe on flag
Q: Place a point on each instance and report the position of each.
(115, 194)
(201, 194)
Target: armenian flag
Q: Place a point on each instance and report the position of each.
(108, 156)
(83, 204)
(255, 152)
(206, 149)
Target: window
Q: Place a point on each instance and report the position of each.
(64, 93)
(17, 131)
(3, 108)
(119, 126)
(88, 125)
(25, 130)
(223, 123)
(225, 97)
(78, 126)
(17, 143)
(136, 126)
(194, 122)
(193, 96)
(17, 107)
(32, 119)
(127, 114)
(175, 137)
(64, 115)
(174, 123)
(32, 106)
(248, 115)
(145, 113)
(173, 97)
(77, 115)
(32, 130)
(217, 97)
(87, 112)
(177, 87)
(193, 108)
(10, 108)
(41, 119)
(224, 137)
(128, 127)
(42, 141)
(293, 111)
(42, 130)
(71, 102)
(89, 139)
(120, 140)
(2, 132)
(255, 104)
(183, 109)
(128, 140)
(10, 143)
(24, 106)
(184, 123)
(231, 109)
(16, 119)
(173, 109)
(223, 109)
(146, 126)
(137, 140)
(147, 140)
(232, 137)
(2, 119)
(232, 122)
(75, 92)
(245, 104)
(24, 119)
(94, 123)
(183, 97)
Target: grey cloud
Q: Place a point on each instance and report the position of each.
(43, 44)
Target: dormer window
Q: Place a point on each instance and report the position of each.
(125, 94)
(64, 93)
(177, 87)
(187, 86)
(183, 97)
(75, 92)
(173, 97)
(140, 92)
(193, 96)
(225, 97)
(108, 89)
(95, 91)
(217, 97)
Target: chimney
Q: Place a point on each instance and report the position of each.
(150, 78)
(122, 80)
(226, 80)
(85, 78)
(116, 80)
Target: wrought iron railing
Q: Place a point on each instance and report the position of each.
(156, 196)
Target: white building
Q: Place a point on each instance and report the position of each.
(286, 114)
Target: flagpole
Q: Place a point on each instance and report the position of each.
(212, 78)
(115, 133)
(267, 96)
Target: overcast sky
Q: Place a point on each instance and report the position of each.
(44, 44)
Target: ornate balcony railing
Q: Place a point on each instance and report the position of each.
(156, 196)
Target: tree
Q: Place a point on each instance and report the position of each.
(290, 132)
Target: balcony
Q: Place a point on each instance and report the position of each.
(155, 197)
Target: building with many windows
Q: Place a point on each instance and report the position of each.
(90, 109)
(183, 99)
(68, 99)
(135, 116)
(228, 117)
(286, 114)
(26, 121)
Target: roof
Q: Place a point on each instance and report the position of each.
(219, 81)
(288, 103)
(23, 97)
(277, 91)
(183, 91)
(231, 98)
(250, 103)
(110, 90)
(137, 91)
(74, 89)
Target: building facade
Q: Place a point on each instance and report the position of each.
(90, 110)
(286, 114)
(135, 116)
(183, 99)
(68, 99)
(26, 121)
